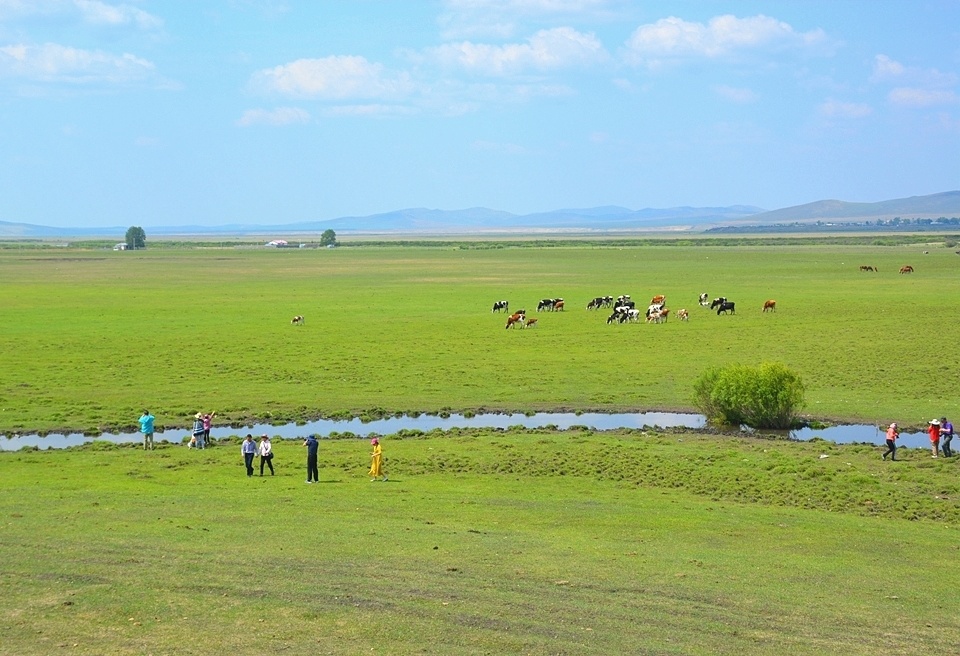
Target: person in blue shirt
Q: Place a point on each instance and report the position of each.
(946, 434)
(312, 445)
(146, 427)
(248, 448)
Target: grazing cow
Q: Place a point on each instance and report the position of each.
(530, 323)
(906, 269)
(664, 314)
(726, 306)
(683, 315)
(546, 304)
(770, 305)
(659, 299)
(501, 306)
(704, 299)
(297, 320)
(867, 267)
(558, 305)
(620, 314)
(596, 303)
(656, 307)
(514, 319)
(607, 301)
(521, 311)
(654, 317)
(717, 302)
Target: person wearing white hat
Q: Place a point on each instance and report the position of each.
(892, 434)
(934, 432)
(198, 429)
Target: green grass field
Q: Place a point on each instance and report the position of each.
(527, 542)
(482, 541)
(91, 338)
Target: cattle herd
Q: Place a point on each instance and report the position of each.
(624, 310)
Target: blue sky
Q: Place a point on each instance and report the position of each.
(208, 112)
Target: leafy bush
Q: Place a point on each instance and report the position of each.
(768, 396)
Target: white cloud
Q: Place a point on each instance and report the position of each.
(499, 19)
(333, 78)
(93, 12)
(838, 109)
(51, 62)
(914, 97)
(734, 94)
(278, 116)
(918, 87)
(558, 48)
(674, 38)
(102, 13)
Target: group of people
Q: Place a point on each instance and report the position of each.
(201, 430)
(249, 449)
(939, 430)
(264, 448)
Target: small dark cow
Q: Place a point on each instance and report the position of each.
(717, 302)
(558, 305)
(297, 320)
(530, 323)
(867, 267)
(906, 269)
(500, 306)
(514, 319)
(599, 302)
(770, 305)
(726, 306)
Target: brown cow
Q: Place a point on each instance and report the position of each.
(770, 305)
(513, 319)
(558, 305)
(531, 323)
(683, 315)
(906, 269)
(658, 299)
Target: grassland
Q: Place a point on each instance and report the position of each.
(529, 542)
(91, 338)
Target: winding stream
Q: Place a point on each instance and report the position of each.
(845, 434)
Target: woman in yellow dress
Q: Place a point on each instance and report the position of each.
(376, 461)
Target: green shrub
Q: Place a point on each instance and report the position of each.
(768, 396)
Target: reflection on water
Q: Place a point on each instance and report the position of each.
(597, 421)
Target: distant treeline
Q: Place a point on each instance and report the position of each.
(880, 225)
(745, 236)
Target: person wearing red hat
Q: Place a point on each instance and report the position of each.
(376, 461)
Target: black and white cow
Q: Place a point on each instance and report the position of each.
(704, 299)
(717, 302)
(726, 306)
(501, 306)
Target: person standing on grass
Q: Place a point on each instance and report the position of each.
(934, 432)
(376, 461)
(248, 449)
(312, 445)
(266, 453)
(198, 429)
(207, 422)
(146, 427)
(946, 434)
(892, 434)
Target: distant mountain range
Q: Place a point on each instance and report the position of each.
(596, 219)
